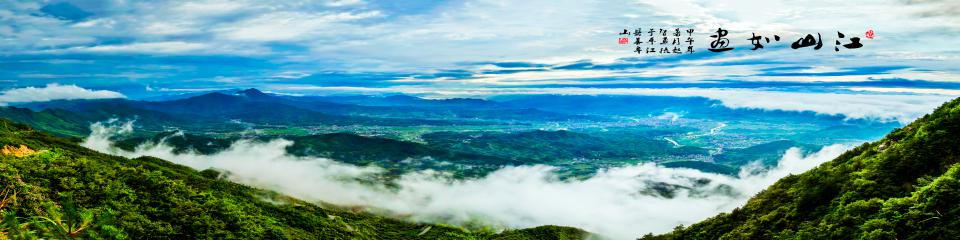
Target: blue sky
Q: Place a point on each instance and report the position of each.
(482, 48)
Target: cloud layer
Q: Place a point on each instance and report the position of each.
(53, 92)
(620, 202)
(429, 43)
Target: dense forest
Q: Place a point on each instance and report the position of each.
(905, 186)
(53, 188)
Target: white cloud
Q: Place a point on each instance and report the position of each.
(169, 28)
(191, 89)
(474, 30)
(358, 36)
(610, 203)
(937, 91)
(208, 8)
(130, 75)
(53, 92)
(287, 26)
(291, 75)
(107, 23)
(341, 3)
(147, 47)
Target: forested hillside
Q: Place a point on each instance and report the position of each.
(905, 186)
(53, 188)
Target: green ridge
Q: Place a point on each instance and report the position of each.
(65, 191)
(905, 186)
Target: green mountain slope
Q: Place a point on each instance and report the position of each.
(55, 121)
(905, 186)
(541, 146)
(53, 188)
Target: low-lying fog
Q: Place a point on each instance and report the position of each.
(615, 202)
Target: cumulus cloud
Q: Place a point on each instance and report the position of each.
(620, 203)
(53, 91)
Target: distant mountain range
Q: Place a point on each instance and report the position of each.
(253, 106)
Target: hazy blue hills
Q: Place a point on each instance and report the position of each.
(214, 108)
(254, 106)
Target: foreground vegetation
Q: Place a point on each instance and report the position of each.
(53, 188)
(905, 186)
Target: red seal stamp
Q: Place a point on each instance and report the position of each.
(623, 40)
(869, 34)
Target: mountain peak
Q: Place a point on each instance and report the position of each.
(253, 93)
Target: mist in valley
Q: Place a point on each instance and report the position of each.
(621, 203)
